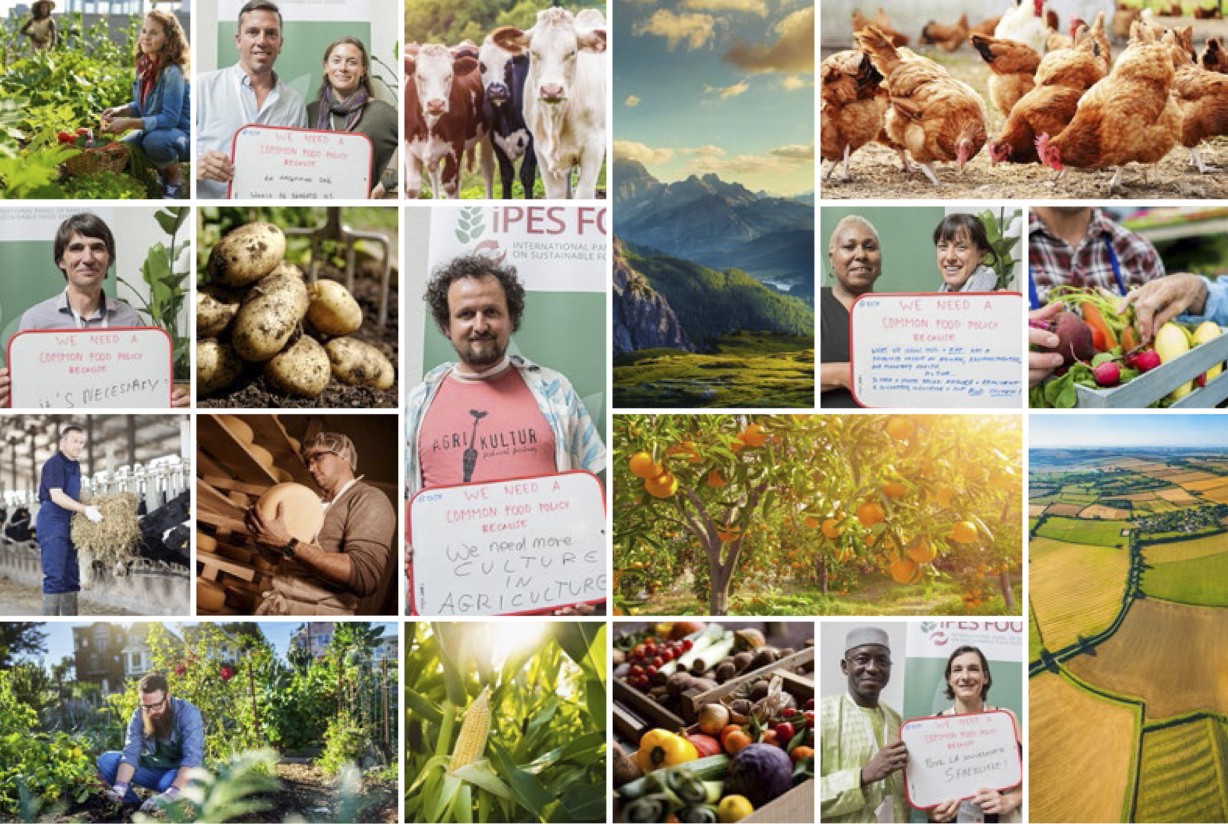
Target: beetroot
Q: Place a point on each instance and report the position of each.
(1074, 338)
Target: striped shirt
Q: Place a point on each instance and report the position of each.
(1053, 262)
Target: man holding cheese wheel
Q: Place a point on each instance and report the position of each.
(347, 568)
(84, 251)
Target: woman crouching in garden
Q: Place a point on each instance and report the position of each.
(159, 107)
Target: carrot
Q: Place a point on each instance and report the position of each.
(1129, 339)
(1102, 334)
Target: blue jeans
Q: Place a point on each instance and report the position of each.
(162, 146)
(156, 780)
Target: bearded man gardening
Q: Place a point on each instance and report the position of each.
(165, 741)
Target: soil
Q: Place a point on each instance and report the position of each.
(876, 173)
(253, 392)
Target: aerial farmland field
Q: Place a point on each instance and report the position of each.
(1076, 735)
(1128, 635)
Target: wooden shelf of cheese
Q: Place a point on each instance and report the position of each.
(238, 459)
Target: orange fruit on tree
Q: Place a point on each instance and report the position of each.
(870, 513)
(738, 445)
(662, 486)
(715, 480)
(963, 532)
(943, 495)
(730, 534)
(904, 571)
(844, 554)
(832, 529)
(894, 489)
(901, 428)
(810, 521)
(753, 436)
(921, 552)
(642, 465)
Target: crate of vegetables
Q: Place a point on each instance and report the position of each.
(661, 679)
(1107, 366)
(727, 767)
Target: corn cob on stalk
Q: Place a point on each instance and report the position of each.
(471, 743)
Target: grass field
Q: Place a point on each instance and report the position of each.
(748, 370)
(1196, 581)
(1169, 655)
(1035, 642)
(1186, 550)
(1064, 510)
(1078, 494)
(1078, 531)
(1183, 773)
(1081, 753)
(1185, 478)
(1075, 589)
(1107, 513)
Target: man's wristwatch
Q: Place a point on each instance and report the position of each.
(287, 550)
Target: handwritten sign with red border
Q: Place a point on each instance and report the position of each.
(528, 545)
(93, 368)
(280, 163)
(944, 349)
(952, 756)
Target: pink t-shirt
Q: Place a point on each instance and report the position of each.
(484, 430)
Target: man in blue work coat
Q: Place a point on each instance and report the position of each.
(59, 489)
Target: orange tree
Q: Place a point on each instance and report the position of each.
(718, 496)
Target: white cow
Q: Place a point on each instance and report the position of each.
(565, 95)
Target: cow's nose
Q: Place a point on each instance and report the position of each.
(497, 93)
(436, 106)
(552, 92)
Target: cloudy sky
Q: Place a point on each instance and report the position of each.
(723, 86)
(1099, 431)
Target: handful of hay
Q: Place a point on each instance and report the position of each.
(110, 541)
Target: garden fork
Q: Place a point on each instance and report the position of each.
(334, 230)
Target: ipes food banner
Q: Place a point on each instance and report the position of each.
(560, 255)
(930, 644)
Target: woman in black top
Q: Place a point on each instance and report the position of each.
(855, 261)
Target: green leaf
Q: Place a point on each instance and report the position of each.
(444, 798)
(528, 791)
(422, 707)
(481, 774)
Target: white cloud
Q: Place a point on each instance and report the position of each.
(758, 7)
(631, 150)
(779, 159)
(728, 91)
(632, 101)
(793, 50)
(695, 30)
(793, 83)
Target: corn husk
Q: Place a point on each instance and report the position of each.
(111, 541)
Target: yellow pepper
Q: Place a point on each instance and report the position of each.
(662, 748)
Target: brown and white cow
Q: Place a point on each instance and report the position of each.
(565, 95)
(443, 118)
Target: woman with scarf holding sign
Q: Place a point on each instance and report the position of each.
(346, 104)
(160, 105)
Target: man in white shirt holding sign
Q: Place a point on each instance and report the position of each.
(84, 250)
(247, 92)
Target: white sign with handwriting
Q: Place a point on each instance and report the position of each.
(952, 756)
(504, 547)
(279, 163)
(940, 349)
(92, 368)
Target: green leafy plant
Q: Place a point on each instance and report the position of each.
(1003, 262)
(344, 743)
(234, 792)
(166, 270)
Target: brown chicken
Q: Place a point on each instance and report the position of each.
(1128, 117)
(1202, 98)
(947, 38)
(1061, 79)
(986, 26)
(852, 107)
(1012, 66)
(1057, 40)
(1213, 57)
(933, 116)
(884, 25)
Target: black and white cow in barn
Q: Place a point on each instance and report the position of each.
(503, 78)
(565, 95)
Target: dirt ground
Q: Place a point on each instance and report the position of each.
(876, 173)
(17, 599)
(253, 392)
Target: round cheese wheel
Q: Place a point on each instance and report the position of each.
(282, 475)
(261, 456)
(209, 596)
(237, 427)
(300, 509)
(205, 543)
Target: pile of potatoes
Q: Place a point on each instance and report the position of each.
(257, 309)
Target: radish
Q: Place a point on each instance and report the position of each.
(1146, 360)
(1107, 374)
